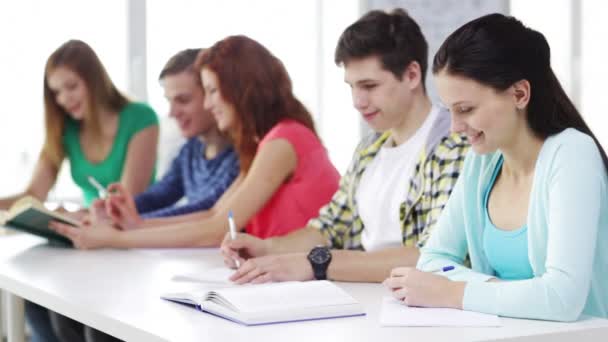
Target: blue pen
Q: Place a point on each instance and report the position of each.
(232, 228)
(442, 269)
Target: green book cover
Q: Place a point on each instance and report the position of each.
(36, 222)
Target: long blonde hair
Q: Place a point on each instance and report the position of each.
(80, 58)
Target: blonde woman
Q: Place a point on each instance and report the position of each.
(100, 132)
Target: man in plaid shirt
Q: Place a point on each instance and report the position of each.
(398, 182)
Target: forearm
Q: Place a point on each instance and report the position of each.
(153, 199)
(5, 203)
(301, 240)
(361, 266)
(205, 233)
(179, 219)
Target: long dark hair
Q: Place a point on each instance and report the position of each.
(498, 51)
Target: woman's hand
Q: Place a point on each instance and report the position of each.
(417, 288)
(87, 236)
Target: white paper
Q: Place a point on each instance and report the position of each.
(286, 296)
(395, 313)
(218, 275)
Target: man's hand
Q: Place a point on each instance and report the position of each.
(279, 267)
(121, 208)
(242, 248)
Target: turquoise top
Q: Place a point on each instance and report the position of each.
(133, 118)
(506, 250)
(567, 235)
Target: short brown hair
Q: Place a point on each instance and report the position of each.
(393, 36)
(180, 62)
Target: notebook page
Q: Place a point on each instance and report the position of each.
(218, 275)
(285, 296)
(395, 313)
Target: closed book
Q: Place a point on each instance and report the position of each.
(273, 302)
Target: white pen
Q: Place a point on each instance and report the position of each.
(232, 227)
(101, 191)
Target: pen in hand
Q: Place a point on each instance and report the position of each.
(232, 227)
(101, 191)
(442, 269)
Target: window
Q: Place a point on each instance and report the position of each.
(32, 30)
(301, 33)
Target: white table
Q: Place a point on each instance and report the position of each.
(118, 292)
(11, 245)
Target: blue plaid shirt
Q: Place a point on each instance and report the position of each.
(201, 181)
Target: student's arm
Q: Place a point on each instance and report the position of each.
(575, 199)
(346, 265)
(374, 267)
(272, 165)
(447, 244)
(139, 164)
(43, 179)
(577, 187)
(224, 176)
(332, 228)
(164, 193)
(187, 217)
(194, 216)
(127, 212)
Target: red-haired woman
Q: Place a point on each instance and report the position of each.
(286, 175)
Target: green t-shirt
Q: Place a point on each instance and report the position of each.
(133, 118)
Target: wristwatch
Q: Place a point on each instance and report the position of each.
(319, 258)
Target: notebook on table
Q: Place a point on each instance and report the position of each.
(273, 302)
(29, 215)
(394, 313)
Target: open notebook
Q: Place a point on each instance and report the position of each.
(395, 313)
(272, 302)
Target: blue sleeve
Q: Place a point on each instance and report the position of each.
(576, 193)
(211, 193)
(165, 192)
(448, 244)
(188, 208)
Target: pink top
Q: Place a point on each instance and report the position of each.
(311, 186)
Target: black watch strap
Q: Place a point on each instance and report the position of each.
(319, 258)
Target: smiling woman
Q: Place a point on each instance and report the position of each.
(93, 125)
(249, 92)
(531, 210)
(97, 129)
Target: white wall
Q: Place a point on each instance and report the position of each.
(303, 33)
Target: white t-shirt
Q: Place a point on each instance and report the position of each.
(384, 185)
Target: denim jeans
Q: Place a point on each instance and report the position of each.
(49, 326)
(39, 321)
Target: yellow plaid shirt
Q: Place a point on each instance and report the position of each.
(431, 183)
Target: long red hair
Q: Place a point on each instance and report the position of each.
(257, 84)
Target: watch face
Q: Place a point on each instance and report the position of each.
(320, 255)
